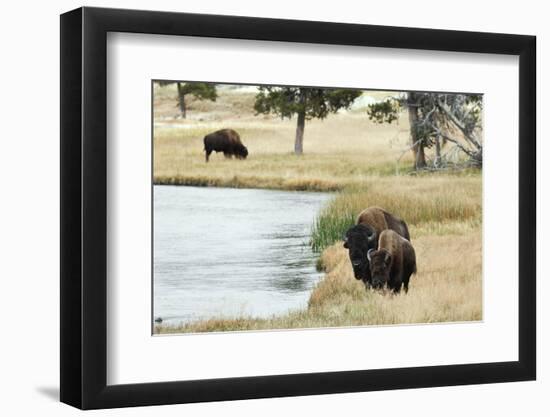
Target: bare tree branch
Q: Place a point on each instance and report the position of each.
(469, 136)
(466, 151)
(403, 153)
(427, 116)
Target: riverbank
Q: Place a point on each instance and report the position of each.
(445, 289)
(431, 205)
(326, 165)
(344, 150)
(341, 151)
(179, 160)
(444, 216)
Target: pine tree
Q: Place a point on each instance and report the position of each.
(201, 91)
(306, 103)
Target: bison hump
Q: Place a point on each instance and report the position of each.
(374, 217)
(390, 241)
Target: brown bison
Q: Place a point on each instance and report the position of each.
(227, 141)
(393, 263)
(379, 219)
(363, 237)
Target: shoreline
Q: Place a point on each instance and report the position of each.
(443, 212)
(276, 183)
(339, 300)
(292, 184)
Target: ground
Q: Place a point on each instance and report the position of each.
(368, 164)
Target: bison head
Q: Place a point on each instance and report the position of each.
(380, 263)
(241, 152)
(359, 239)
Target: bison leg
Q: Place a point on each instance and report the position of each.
(406, 283)
(227, 155)
(362, 273)
(395, 284)
(208, 152)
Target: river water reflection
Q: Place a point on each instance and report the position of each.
(226, 252)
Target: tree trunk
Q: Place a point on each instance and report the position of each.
(437, 161)
(420, 157)
(417, 147)
(181, 100)
(477, 159)
(300, 126)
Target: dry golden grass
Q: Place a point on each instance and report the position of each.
(337, 153)
(344, 149)
(430, 205)
(446, 288)
(227, 105)
(447, 241)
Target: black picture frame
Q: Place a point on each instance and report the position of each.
(84, 207)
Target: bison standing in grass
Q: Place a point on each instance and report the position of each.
(363, 237)
(227, 141)
(393, 263)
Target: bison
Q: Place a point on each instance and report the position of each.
(362, 237)
(393, 263)
(227, 141)
(379, 219)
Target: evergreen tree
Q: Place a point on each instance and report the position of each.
(201, 91)
(305, 103)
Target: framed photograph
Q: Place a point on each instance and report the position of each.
(257, 208)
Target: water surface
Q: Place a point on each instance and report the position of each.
(226, 252)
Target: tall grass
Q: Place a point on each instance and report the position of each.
(340, 151)
(446, 288)
(344, 150)
(330, 226)
(444, 217)
(426, 203)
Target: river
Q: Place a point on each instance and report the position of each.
(227, 252)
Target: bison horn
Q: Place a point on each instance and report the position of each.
(371, 237)
(369, 253)
(346, 242)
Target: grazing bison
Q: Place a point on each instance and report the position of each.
(393, 263)
(362, 237)
(227, 141)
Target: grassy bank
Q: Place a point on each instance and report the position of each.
(326, 164)
(444, 215)
(431, 205)
(447, 288)
(343, 150)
